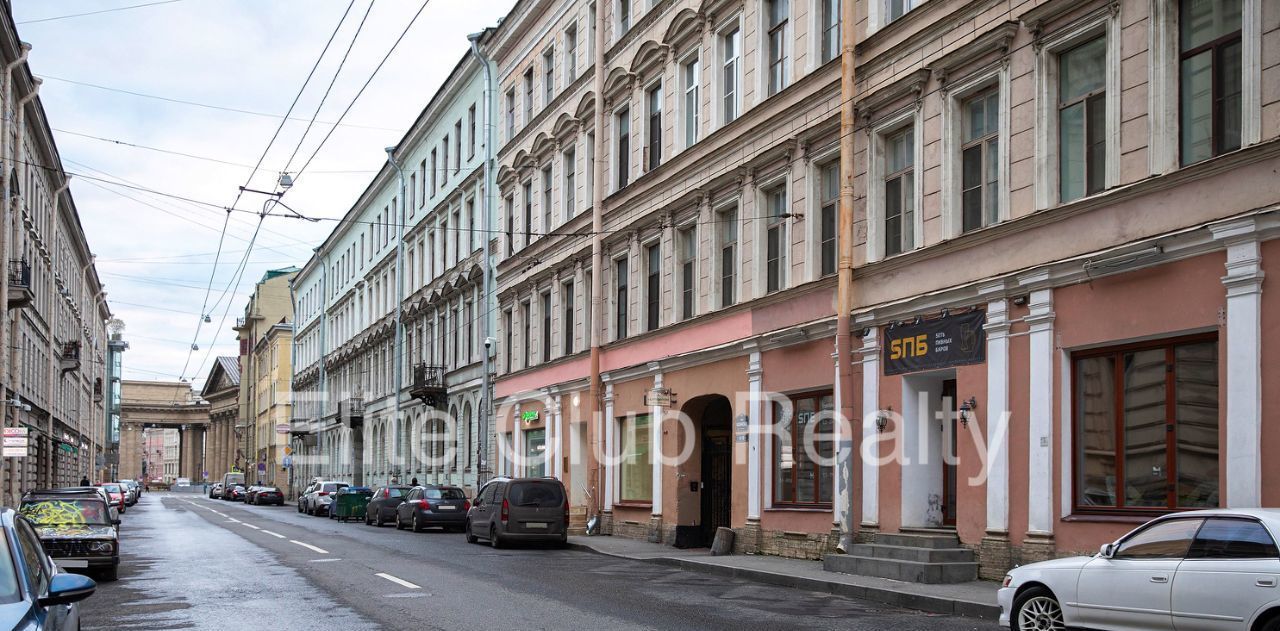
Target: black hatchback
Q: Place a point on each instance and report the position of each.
(382, 506)
(433, 506)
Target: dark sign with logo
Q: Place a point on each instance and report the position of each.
(952, 340)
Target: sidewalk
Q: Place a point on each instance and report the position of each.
(976, 599)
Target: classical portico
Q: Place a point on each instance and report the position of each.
(159, 404)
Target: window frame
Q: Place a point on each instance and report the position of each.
(622, 147)
(1215, 48)
(687, 269)
(775, 63)
(989, 192)
(546, 306)
(652, 251)
(567, 325)
(820, 238)
(827, 18)
(779, 222)
(630, 426)
(690, 116)
(730, 31)
(908, 193)
(723, 242)
(621, 271)
(821, 478)
(548, 76)
(653, 103)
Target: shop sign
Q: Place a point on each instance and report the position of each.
(282, 428)
(15, 452)
(659, 397)
(951, 340)
(529, 416)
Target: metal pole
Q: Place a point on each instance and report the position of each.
(397, 352)
(595, 428)
(487, 328)
(844, 291)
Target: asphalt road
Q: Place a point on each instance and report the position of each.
(194, 563)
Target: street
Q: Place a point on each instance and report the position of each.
(194, 563)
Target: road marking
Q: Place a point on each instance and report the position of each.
(277, 536)
(250, 526)
(309, 546)
(399, 581)
(324, 560)
(233, 520)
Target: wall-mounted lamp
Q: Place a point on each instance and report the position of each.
(1021, 301)
(861, 333)
(882, 419)
(967, 410)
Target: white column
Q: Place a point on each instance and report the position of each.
(1243, 283)
(870, 406)
(997, 403)
(655, 449)
(610, 467)
(754, 379)
(841, 472)
(1040, 416)
(554, 461)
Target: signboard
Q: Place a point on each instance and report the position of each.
(659, 397)
(15, 441)
(15, 452)
(952, 340)
(14, 432)
(282, 428)
(288, 451)
(529, 416)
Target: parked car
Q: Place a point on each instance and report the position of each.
(116, 495)
(34, 594)
(433, 506)
(77, 529)
(318, 497)
(382, 506)
(267, 495)
(215, 491)
(235, 494)
(134, 491)
(520, 509)
(249, 492)
(1210, 569)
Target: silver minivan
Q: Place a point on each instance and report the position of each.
(520, 509)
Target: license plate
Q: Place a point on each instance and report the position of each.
(537, 525)
(67, 563)
(446, 508)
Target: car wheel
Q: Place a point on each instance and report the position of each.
(494, 540)
(377, 521)
(1036, 609)
(367, 521)
(416, 526)
(111, 575)
(470, 537)
(1272, 625)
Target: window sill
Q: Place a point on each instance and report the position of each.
(633, 504)
(1114, 518)
(799, 509)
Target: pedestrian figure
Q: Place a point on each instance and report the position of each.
(84, 481)
(395, 480)
(413, 482)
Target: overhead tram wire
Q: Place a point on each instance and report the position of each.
(214, 270)
(111, 10)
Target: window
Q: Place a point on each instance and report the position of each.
(830, 213)
(654, 146)
(591, 169)
(535, 453)
(470, 331)
(899, 192)
(653, 286)
(435, 169)
(570, 193)
(622, 121)
(1161, 540)
(546, 199)
(444, 164)
(624, 18)
(636, 468)
(730, 49)
(829, 28)
(894, 9)
(692, 76)
(511, 113)
(566, 320)
(457, 145)
(1211, 76)
(471, 133)
(776, 241)
(687, 242)
(528, 96)
(1082, 126)
(422, 192)
(571, 54)
(980, 161)
(526, 327)
(591, 32)
(508, 325)
(779, 14)
(546, 326)
(804, 430)
(728, 228)
(1146, 426)
(620, 298)
(548, 76)
(511, 225)
(1225, 538)
(528, 212)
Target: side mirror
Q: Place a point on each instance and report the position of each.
(65, 589)
(115, 521)
(1107, 550)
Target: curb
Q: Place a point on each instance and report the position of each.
(906, 600)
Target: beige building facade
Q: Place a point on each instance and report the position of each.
(271, 305)
(222, 390)
(146, 407)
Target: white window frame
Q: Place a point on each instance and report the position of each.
(1103, 23)
(694, 56)
(717, 271)
(788, 37)
(875, 179)
(615, 136)
(878, 13)
(571, 53)
(816, 27)
(652, 240)
(618, 31)
(569, 171)
(782, 180)
(613, 294)
(953, 128)
(734, 23)
(646, 154)
(689, 224)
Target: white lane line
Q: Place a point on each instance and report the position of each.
(233, 520)
(268, 532)
(309, 546)
(324, 560)
(399, 581)
(250, 526)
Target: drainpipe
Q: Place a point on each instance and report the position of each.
(6, 167)
(293, 372)
(844, 287)
(9, 228)
(398, 352)
(55, 358)
(483, 417)
(595, 429)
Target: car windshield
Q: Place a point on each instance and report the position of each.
(65, 512)
(539, 494)
(444, 494)
(333, 486)
(394, 492)
(111, 488)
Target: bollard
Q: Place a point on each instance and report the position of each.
(723, 543)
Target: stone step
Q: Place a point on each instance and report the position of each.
(917, 540)
(912, 553)
(899, 570)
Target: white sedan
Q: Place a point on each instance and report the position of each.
(1209, 570)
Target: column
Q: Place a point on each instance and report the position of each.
(607, 457)
(655, 450)
(869, 452)
(1243, 283)
(555, 439)
(1040, 415)
(997, 403)
(754, 386)
(706, 256)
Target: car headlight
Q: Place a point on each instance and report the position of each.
(1008, 580)
(102, 547)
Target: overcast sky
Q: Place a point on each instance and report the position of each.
(155, 254)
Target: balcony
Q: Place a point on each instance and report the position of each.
(20, 294)
(351, 412)
(97, 390)
(428, 385)
(70, 357)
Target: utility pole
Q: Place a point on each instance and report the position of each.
(844, 287)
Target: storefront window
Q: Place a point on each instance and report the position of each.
(804, 432)
(1146, 426)
(535, 449)
(636, 470)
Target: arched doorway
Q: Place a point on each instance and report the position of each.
(708, 499)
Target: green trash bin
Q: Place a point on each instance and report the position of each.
(350, 502)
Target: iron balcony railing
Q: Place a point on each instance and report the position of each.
(429, 385)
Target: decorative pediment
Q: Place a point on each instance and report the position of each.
(910, 86)
(649, 59)
(565, 127)
(618, 83)
(543, 144)
(684, 28)
(996, 40)
(586, 107)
